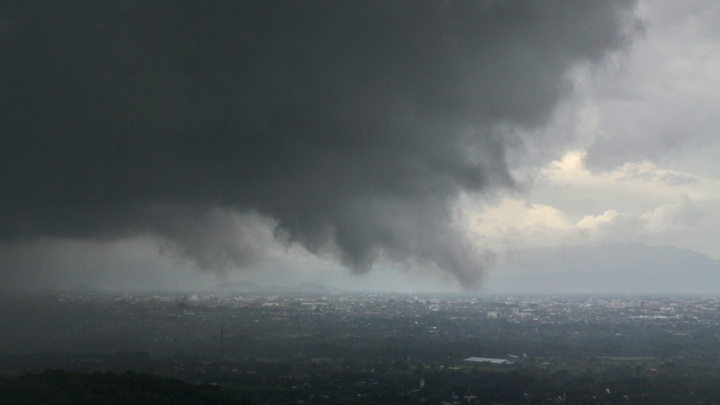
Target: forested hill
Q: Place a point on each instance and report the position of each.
(632, 268)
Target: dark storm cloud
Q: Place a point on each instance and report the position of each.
(352, 125)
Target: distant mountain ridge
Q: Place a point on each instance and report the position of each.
(611, 268)
(249, 286)
(238, 286)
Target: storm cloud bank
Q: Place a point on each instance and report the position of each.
(349, 127)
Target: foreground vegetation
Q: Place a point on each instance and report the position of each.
(271, 384)
(60, 387)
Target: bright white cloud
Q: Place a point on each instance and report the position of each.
(568, 204)
(593, 222)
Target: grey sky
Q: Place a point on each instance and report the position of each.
(641, 155)
(241, 138)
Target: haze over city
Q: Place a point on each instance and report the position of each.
(395, 146)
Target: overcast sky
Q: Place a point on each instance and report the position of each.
(640, 164)
(408, 144)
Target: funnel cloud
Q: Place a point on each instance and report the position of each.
(349, 128)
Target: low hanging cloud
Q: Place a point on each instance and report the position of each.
(347, 126)
(673, 222)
